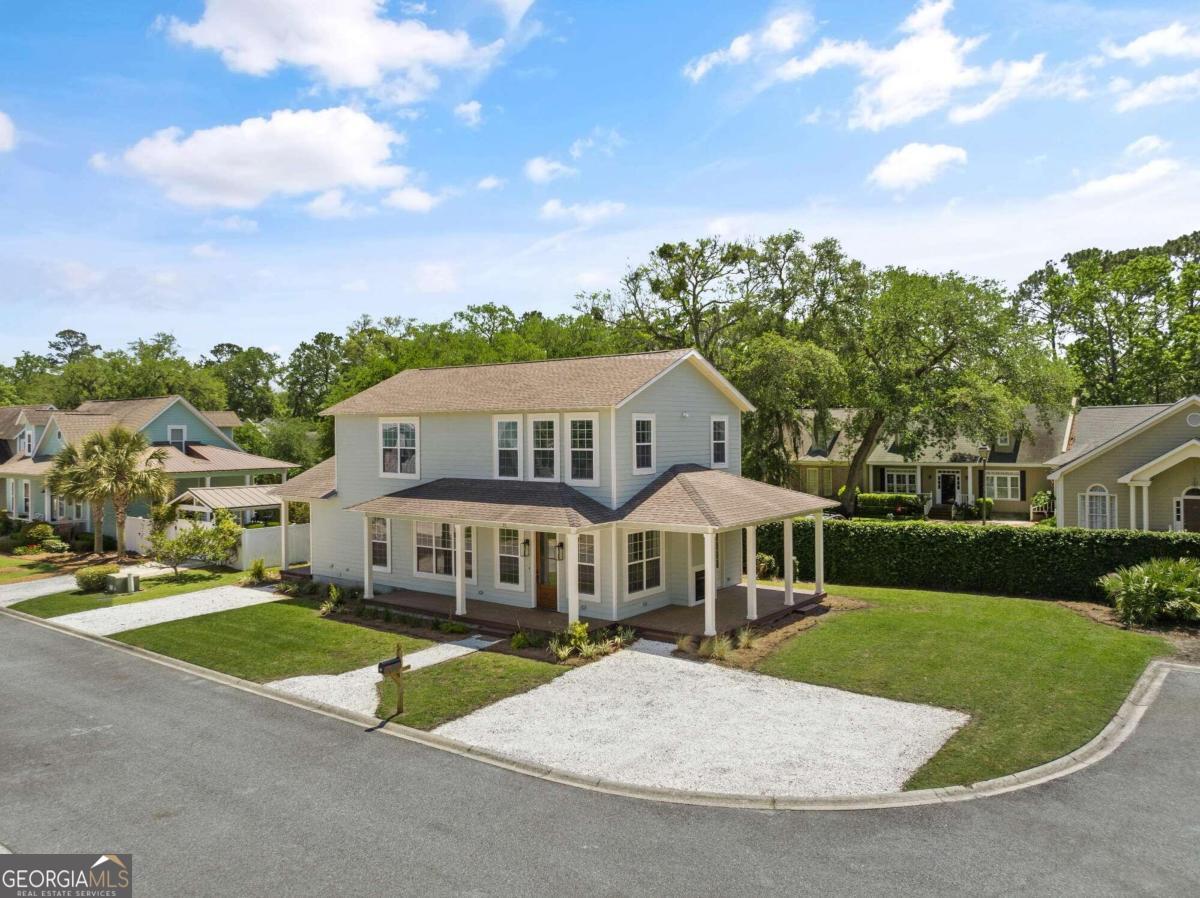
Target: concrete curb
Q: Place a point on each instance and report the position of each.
(1120, 728)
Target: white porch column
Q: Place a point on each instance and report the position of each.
(46, 493)
(283, 535)
(572, 577)
(819, 553)
(460, 570)
(710, 584)
(751, 573)
(616, 579)
(1133, 491)
(368, 572)
(249, 481)
(789, 567)
(1146, 507)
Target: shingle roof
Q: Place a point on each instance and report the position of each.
(554, 384)
(9, 415)
(835, 445)
(1096, 424)
(692, 495)
(519, 503)
(38, 416)
(234, 497)
(75, 426)
(132, 413)
(26, 466)
(224, 418)
(318, 482)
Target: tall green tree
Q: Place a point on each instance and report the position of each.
(248, 375)
(70, 345)
(310, 372)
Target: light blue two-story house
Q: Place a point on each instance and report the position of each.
(603, 488)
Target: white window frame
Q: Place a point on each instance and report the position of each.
(180, 444)
(892, 474)
(662, 564)
(387, 522)
(497, 420)
(569, 451)
(1193, 493)
(1014, 485)
(26, 441)
(533, 450)
(653, 443)
(812, 481)
(468, 537)
(519, 586)
(415, 474)
(26, 500)
(593, 564)
(79, 510)
(1096, 490)
(827, 481)
(1004, 440)
(712, 441)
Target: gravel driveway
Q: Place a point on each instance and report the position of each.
(660, 721)
(11, 593)
(106, 621)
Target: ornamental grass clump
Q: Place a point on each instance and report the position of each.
(1162, 590)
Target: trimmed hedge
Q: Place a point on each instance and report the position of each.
(880, 505)
(1054, 563)
(94, 578)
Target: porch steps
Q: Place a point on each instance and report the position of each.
(941, 512)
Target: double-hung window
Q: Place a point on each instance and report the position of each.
(543, 447)
(719, 426)
(827, 481)
(587, 564)
(507, 434)
(581, 449)
(434, 544)
(509, 568)
(1002, 485)
(643, 562)
(26, 498)
(380, 531)
(399, 447)
(812, 480)
(1098, 508)
(643, 444)
(900, 481)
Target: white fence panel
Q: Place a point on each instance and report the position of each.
(137, 535)
(264, 543)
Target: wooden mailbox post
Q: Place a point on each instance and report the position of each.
(393, 669)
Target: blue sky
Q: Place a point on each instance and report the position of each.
(256, 171)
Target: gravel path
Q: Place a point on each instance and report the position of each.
(106, 621)
(355, 690)
(642, 718)
(11, 593)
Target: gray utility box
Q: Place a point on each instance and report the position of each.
(123, 583)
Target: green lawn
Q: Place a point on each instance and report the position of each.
(14, 568)
(271, 641)
(1037, 679)
(155, 588)
(443, 692)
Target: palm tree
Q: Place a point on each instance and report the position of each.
(129, 468)
(73, 476)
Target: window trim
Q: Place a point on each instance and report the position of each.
(532, 420)
(1004, 440)
(181, 445)
(399, 475)
(496, 420)
(826, 481)
(635, 418)
(387, 568)
(811, 475)
(26, 500)
(446, 578)
(662, 565)
(1014, 479)
(594, 564)
(907, 473)
(712, 441)
(568, 458)
(1111, 510)
(519, 586)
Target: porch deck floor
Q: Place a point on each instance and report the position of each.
(667, 622)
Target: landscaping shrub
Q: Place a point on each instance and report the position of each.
(95, 577)
(1057, 563)
(764, 564)
(54, 544)
(257, 573)
(7, 544)
(35, 533)
(21, 551)
(1162, 590)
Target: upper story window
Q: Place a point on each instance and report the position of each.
(399, 448)
(643, 444)
(720, 441)
(543, 438)
(1004, 440)
(581, 458)
(507, 454)
(27, 441)
(177, 436)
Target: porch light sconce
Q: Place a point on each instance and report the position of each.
(525, 549)
(686, 415)
(558, 552)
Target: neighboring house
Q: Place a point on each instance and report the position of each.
(225, 421)
(198, 452)
(605, 486)
(1135, 467)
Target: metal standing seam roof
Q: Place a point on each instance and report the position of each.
(230, 497)
(201, 458)
(318, 482)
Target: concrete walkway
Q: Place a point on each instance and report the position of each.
(106, 621)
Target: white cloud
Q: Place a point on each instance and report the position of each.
(347, 44)
(1126, 182)
(581, 213)
(920, 74)
(436, 277)
(77, 277)
(235, 224)
(543, 170)
(1147, 146)
(490, 182)
(290, 153)
(331, 204)
(469, 113)
(411, 199)
(1156, 91)
(1173, 41)
(779, 35)
(414, 9)
(603, 140)
(915, 164)
(8, 133)
(514, 10)
(206, 251)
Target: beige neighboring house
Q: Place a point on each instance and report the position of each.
(1129, 466)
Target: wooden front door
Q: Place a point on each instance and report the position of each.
(1191, 514)
(547, 572)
